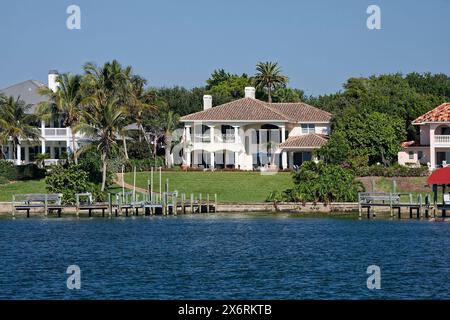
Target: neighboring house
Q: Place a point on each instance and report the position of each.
(55, 139)
(249, 134)
(433, 148)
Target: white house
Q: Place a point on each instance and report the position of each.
(55, 139)
(433, 148)
(248, 134)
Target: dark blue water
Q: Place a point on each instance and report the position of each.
(224, 257)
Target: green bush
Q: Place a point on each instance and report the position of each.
(319, 182)
(23, 172)
(144, 165)
(393, 171)
(70, 180)
(139, 150)
(7, 170)
(90, 161)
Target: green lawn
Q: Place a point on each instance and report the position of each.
(229, 186)
(21, 187)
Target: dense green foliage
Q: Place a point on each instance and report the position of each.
(319, 182)
(392, 171)
(23, 172)
(373, 115)
(70, 180)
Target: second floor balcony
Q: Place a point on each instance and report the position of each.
(442, 140)
(55, 132)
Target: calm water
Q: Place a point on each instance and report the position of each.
(224, 257)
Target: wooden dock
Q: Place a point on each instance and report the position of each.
(418, 206)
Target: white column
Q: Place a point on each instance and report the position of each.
(236, 135)
(18, 154)
(284, 162)
(291, 158)
(187, 149)
(42, 128)
(212, 160)
(211, 132)
(432, 148)
(43, 145)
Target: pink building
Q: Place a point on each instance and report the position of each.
(433, 148)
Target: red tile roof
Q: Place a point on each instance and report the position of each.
(438, 114)
(311, 140)
(248, 109)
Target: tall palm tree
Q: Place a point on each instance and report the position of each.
(102, 121)
(268, 75)
(110, 80)
(65, 102)
(16, 124)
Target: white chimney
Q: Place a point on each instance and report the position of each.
(52, 83)
(207, 102)
(250, 92)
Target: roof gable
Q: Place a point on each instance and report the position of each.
(438, 114)
(27, 91)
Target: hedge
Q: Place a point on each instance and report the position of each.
(394, 171)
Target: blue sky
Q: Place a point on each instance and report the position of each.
(319, 44)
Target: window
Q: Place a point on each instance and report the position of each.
(308, 128)
(411, 155)
(420, 155)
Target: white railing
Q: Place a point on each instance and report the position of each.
(442, 139)
(55, 132)
(225, 138)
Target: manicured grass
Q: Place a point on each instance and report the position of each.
(21, 187)
(229, 186)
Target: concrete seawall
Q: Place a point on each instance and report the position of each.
(341, 207)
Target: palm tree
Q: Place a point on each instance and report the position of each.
(268, 75)
(65, 102)
(102, 121)
(111, 80)
(16, 124)
(163, 122)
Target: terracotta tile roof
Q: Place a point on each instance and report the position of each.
(302, 112)
(311, 140)
(438, 114)
(256, 110)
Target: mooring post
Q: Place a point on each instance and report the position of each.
(390, 205)
(373, 185)
(192, 203)
(183, 201)
(13, 209)
(215, 202)
(394, 186)
(45, 203)
(200, 203)
(359, 205)
(207, 203)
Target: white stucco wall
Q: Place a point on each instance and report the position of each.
(403, 156)
(425, 134)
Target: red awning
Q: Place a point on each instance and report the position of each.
(440, 176)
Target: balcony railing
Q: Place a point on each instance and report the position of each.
(442, 140)
(55, 132)
(222, 138)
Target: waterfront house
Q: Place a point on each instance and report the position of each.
(250, 134)
(433, 147)
(55, 140)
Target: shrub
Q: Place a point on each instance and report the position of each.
(70, 180)
(7, 170)
(139, 150)
(318, 182)
(23, 172)
(90, 161)
(144, 165)
(393, 171)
